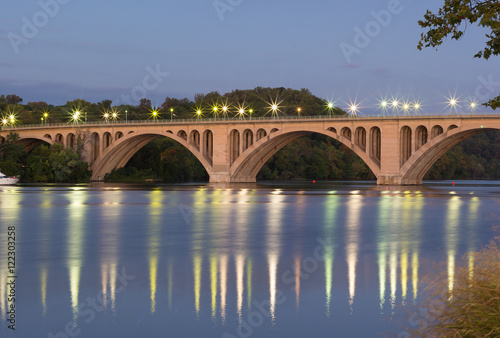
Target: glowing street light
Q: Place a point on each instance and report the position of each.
(45, 117)
(330, 106)
(298, 111)
(225, 111)
(155, 114)
(453, 103)
(417, 106)
(241, 111)
(472, 105)
(406, 107)
(76, 116)
(383, 105)
(353, 109)
(274, 107)
(215, 109)
(171, 114)
(250, 112)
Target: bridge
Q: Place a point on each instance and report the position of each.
(398, 150)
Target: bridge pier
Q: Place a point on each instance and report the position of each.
(395, 179)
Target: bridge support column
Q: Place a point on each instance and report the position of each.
(390, 156)
(221, 157)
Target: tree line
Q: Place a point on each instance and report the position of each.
(254, 102)
(311, 157)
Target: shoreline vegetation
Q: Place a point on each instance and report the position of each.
(311, 157)
(469, 306)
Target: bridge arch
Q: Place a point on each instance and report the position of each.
(107, 139)
(121, 151)
(420, 136)
(360, 138)
(436, 131)
(59, 139)
(375, 145)
(346, 132)
(405, 147)
(246, 167)
(195, 139)
(71, 141)
(234, 145)
(247, 139)
(29, 143)
(261, 133)
(422, 160)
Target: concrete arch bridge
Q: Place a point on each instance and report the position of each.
(399, 150)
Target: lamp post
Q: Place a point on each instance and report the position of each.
(171, 114)
(126, 115)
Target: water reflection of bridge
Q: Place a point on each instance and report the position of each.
(399, 150)
(228, 272)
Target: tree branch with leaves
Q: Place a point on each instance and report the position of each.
(453, 19)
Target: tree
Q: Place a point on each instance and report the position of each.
(13, 99)
(12, 155)
(453, 19)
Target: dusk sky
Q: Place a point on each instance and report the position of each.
(120, 50)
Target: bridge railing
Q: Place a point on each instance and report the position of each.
(244, 120)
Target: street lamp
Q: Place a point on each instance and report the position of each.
(45, 117)
(171, 114)
(215, 110)
(126, 115)
(330, 108)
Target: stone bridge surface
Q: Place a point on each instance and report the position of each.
(398, 150)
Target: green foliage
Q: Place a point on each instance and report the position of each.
(42, 164)
(453, 18)
(315, 157)
(477, 157)
(55, 164)
(162, 159)
(11, 155)
(257, 99)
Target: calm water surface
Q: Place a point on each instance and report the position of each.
(266, 260)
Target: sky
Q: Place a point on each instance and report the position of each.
(344, 51)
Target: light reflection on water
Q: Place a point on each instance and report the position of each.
(230, 260)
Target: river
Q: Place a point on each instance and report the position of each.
(328, 259)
